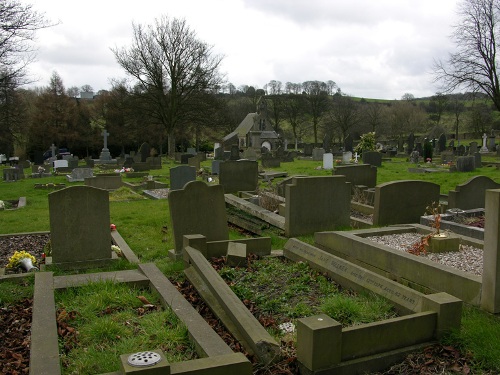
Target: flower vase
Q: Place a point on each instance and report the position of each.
(27, 265)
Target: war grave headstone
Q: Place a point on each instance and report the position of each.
(316, 204)
(372, 157)
(317, 154)
(403, 202)
(181, 175)
(112, 182)
(80, 174)
(328, 161)
(471, 194)
(79, 227)
(239, 175)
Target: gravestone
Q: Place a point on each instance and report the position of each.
(235, 153)
(216, 166)
(194, 161)
(466, 163)
(308, 149)
(13, 174)
(403, 202)
(60, 164)
(128, 162)
(419, 148)
(80, 174)
(241, 175)
(348, 143)
(154, 162)
(477, 160)
(358, 174)
(346, 157)
(90, 163)
(219, 153)
(373, 158)
(461, 150)
(471, 194)
(181, 175)
(185, 158)
(38, 157)
(269, 161)
(40, 171)
(73, 162)
(79, 225)
(192, 151)
(473, 148)
(447, 157)
(490, 290)
(198, 209)
(414, 157)
(280, 152)
(250, 154)
(144, 152)
(491, 143)
(411, 142)
(105, 155)
(104, 182)
(317, 154)
(316, 204)
(442, 142)
(328, 161)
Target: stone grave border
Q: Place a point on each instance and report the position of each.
(461, 229)
(418, 272)
(116, 238)
(322, 345)
(44, 357)
(21, 202)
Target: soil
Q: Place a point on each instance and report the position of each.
(15, 325)
(472, 221)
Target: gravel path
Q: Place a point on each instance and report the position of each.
(468, 258)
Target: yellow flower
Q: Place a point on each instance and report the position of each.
(116, 249)
(18, 255)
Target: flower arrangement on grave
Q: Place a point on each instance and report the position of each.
(117, 250)
(420, 247)
(22, 259)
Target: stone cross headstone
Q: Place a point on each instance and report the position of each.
(105, 155)
(53, 150)
(484, 148)
(79, 225)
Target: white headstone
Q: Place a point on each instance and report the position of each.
(328, 161)
(60, 164)
(346, 157)
(484, 148)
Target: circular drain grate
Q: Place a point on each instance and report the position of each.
(142, 359)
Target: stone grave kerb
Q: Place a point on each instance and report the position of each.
(79, 226)
(490, 289)
(197, 209)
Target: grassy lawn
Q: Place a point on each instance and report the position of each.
(145, 225)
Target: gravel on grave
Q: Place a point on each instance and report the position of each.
(467, 259)
(33, 244)
(158, 193)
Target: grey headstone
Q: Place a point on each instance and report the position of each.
(80, 174)
(373, 158)
(79, 224)
(239, 175)
(181, 175)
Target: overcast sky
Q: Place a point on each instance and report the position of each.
(371, 48)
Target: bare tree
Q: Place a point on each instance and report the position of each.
(473, 66)
(172, 68)
(18, 25)
(317, 98)
(343, 115)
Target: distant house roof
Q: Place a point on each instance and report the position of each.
(269, 135)
(243, 128)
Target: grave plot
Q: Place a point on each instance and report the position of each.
(418, 272)
(365, 347)
(114, 317)
(12, 204)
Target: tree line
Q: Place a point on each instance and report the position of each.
(176, 96)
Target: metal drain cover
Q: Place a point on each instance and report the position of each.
(143, 359)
